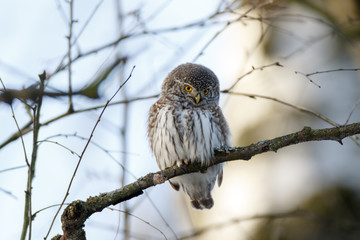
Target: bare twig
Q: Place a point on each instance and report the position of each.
(352, 110)
(8, 193)
(84, 150)
(301, 109)
(60, 65)
(75, 215)
(31, 172)
(307, 75)
(139, 30)
(61, 145)
(300, 18)
(106, 151)
(71, 107)
(334, 70)
(201, 52)
(18, 128)
(144, 221)
(228, 23)
(281, 215)
(27, 127)
(250, 72)
(12, 168)
(123, 132)
(199, 23)
(27, 224)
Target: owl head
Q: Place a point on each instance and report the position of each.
(194, 83)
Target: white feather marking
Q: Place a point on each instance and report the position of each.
(206, 140)
(194, 134)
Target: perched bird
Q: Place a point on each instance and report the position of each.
(186, 125)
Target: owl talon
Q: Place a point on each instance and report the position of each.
(179, 164)
(182, 163)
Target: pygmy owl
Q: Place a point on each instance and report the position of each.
(186, 125)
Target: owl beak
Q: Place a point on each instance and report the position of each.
(197, 98)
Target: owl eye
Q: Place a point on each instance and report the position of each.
(188, 88)
(206, 91)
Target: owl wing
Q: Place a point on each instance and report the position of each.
(220, 120)
(164, 135)
(220, 178)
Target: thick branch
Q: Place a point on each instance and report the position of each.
(77, 212)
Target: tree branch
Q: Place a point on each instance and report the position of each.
(75, 215)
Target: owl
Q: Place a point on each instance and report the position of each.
(185, 125)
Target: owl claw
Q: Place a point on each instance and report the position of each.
(178, 163)
(182, 163)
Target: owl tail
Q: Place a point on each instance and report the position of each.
(202, 203)
(197, 203)
(198, 186)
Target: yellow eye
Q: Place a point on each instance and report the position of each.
(188, 88)
(206, 91)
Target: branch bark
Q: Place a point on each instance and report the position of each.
(75, 214)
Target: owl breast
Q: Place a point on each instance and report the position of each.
(185, 134)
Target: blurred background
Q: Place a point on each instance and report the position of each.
(286, 64)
